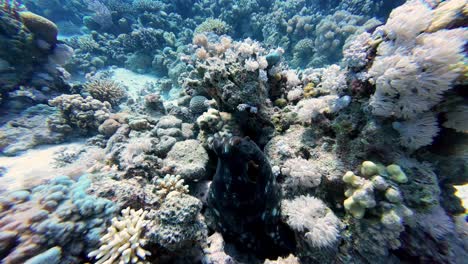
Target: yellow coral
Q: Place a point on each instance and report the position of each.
(123, 242)
(40, 26)
(309, 90)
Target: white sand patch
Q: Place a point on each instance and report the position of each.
(37, 165)
(135, 82)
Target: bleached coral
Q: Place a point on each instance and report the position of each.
(308, 109)
(123, 242)
(251, 65)
(409, 20)
(300, 172)
(170, 183)
(333, 79)
(413, 70)
(417, 132)
(294, 94)
(355, 54)
(312, 217)
(292, 80)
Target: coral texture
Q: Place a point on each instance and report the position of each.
(123, 241)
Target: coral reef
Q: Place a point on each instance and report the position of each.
(314, 219)
(252, 131)
(106, 91)
(123, 241)
(86, 114)
(179, 224)
(57, 220)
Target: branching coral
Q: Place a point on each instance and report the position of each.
(170, 183)
(213, 25)
(84, 113)
(123, 242)
(106, 90)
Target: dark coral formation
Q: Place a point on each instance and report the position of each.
(245, 198)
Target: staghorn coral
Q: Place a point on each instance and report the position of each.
(106, 90)
(123, 241)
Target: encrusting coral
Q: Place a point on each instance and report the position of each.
(123, 242)
(362, 191)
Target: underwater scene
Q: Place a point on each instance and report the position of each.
(233, 132)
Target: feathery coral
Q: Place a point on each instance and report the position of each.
(310, 215)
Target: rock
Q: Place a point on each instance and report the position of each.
(188, 159)
(139, 124)
(169, 121)
(164, 146)
(109, 127)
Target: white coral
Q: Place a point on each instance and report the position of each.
(310, 215)
(333, 79)
(294, 94)
(355, 54)
(412, 80)
(301, 172)
(251, 65)
(170, 183)
(308, 109)
(123, 242)
(417, 132)
(407, 21)
(292, 80)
